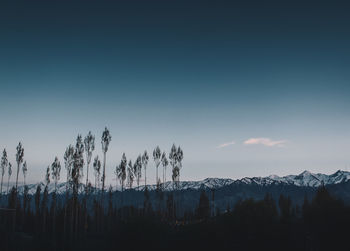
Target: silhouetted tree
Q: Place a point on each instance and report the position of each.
(144, 161)
(55, 171)
(19, 160)
(106, 139)
(9, 171)
(130, 174)
(156, 157)
(3, 166)
(164, 164)
(121, 171)
(68, 164)
(89, 143)
(138, 169)
(77, 172)
(24, 170)
(97, 171)
(173, 156)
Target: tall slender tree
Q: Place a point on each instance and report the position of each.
(130, 174)
(19, 160)
(78, 164)
(89, 143)
(9, 172)
(3, 166)
(157, 159)
(176, 156)
(105, 140)
(180, 156)
(173, 163)
(77, 173)
(164, 164)
(55, 172)
(121, 171)
(138, 169)
(24, 170)
(144, 161)
(68, 163)
(97, 172)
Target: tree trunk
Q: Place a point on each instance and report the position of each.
(2, 178)
(17, 176)
(104, 173)
(8, 185)
(87, 176)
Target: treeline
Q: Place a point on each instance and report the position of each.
(321, 223)
(79, 213)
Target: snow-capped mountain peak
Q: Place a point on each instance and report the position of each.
(305, 178)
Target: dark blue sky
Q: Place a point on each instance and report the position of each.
(201, 74)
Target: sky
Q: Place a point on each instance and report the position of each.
(246, 88)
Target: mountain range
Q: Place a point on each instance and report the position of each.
(304, 179)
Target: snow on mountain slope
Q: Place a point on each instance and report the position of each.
(304, 179)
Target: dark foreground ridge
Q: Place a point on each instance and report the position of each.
(321, 223)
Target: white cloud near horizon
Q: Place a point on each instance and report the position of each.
(226, 144)
(265, 142)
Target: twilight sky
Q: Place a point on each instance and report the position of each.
(247, 89)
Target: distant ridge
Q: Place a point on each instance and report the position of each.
(304, 179)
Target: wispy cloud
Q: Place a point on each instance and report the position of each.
(265, 142)
(226, 144)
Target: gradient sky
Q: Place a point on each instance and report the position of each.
(247, 88)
